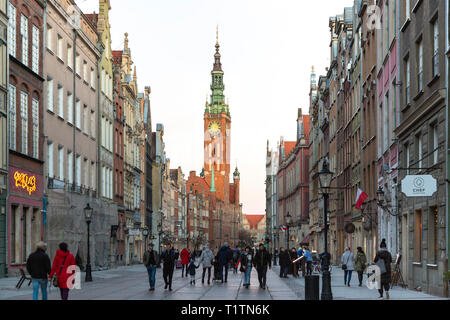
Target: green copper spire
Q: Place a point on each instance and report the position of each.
(217, 104)
(213, 185)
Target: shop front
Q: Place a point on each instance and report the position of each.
(25, 225)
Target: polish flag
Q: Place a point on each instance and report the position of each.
(360, 198)
(284, 228)
(238, 263)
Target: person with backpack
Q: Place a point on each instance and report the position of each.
(384, 257)
(63, 262)
(185, 257)
(207, 260)
(191, 270)
(151, 260)
(347, 265)
(360, 264)
(38, 266)
(246, 266)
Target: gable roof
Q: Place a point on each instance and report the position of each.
(254, 220)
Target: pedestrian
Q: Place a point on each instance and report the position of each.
(294, 256)
(261, 261)
(360, 264)
(308, 256)
(151, 260)
(302, 261)
(246, 266)
(284, 262)
(347, 265)
(191, 270)
(207, 260)
(63, 268)
(275, 256)
(185, 257)
(236, 255)
(224, 255)
(383, 255)
(169, 258)
(38, 266)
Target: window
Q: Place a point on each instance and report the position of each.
(49, 38)
(380, 131)
(385, 122)
(24, 36)
(12, 29)
(435, 49)
(433, 233)
(50, 161)
(86, 173)
(35, 50)
(35, 114)
(69, 56)
(85, 120)
(50, 94)
(12, 117)
(408, 81)
(420, 66)
(78, 170)
(60, 101)
(92, 175)
(418, 236)
(85, 71)
(92, 123)
(60, 51)
(24, 120)
(408, 9)
(61, 163)
(419, 151)
(69, 108)
(70, 167)
(92, 78)
(408, 157)
(78, 115)
(78, 64)
(434, 142)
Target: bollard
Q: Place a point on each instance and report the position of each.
(312, 288)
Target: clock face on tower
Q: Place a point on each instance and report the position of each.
(214, 128)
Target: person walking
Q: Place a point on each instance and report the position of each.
(360, 264)
(151, 260)
(191, 270)
(246, 266)
(62, 262)
(224, 255)
(207, 260)
(39, 267)
(185, 257)
(169, 258)
(309, 260)
(347, 265)
(261, 261)
(383, 255)
(236, 255)
(284, 261)
(294, 256)
(302, 261)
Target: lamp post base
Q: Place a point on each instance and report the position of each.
(326, 285)
(88, 273)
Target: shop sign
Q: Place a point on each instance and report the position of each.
(419, 186)
(25, 182)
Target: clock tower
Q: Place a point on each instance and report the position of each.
(217, 131)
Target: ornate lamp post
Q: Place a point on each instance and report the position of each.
(88, 217)
(325, 177)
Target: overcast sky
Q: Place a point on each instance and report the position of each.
(267, 47)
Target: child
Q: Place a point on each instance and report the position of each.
(191, 269)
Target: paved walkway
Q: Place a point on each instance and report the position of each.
(131, 283)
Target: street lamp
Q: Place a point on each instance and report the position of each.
(325, 177)
(88, 217)
(288, 221)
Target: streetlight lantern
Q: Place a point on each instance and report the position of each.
(88, 217)
(325, 177)
(380, 195)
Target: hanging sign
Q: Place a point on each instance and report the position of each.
(25, 182)
(419, 186)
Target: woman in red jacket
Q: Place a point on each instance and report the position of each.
(63, 260)
(184, 255)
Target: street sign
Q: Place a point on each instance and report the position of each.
(419, 186)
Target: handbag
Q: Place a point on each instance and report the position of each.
(56, 278)
(344, 265)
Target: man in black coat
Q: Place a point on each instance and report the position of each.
(169, 258)
(39, 267)
(224, 256)
(284, 263)
(261, 261)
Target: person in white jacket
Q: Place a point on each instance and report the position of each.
(348, 265)
(206, 259)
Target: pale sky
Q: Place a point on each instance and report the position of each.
(267, 47)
